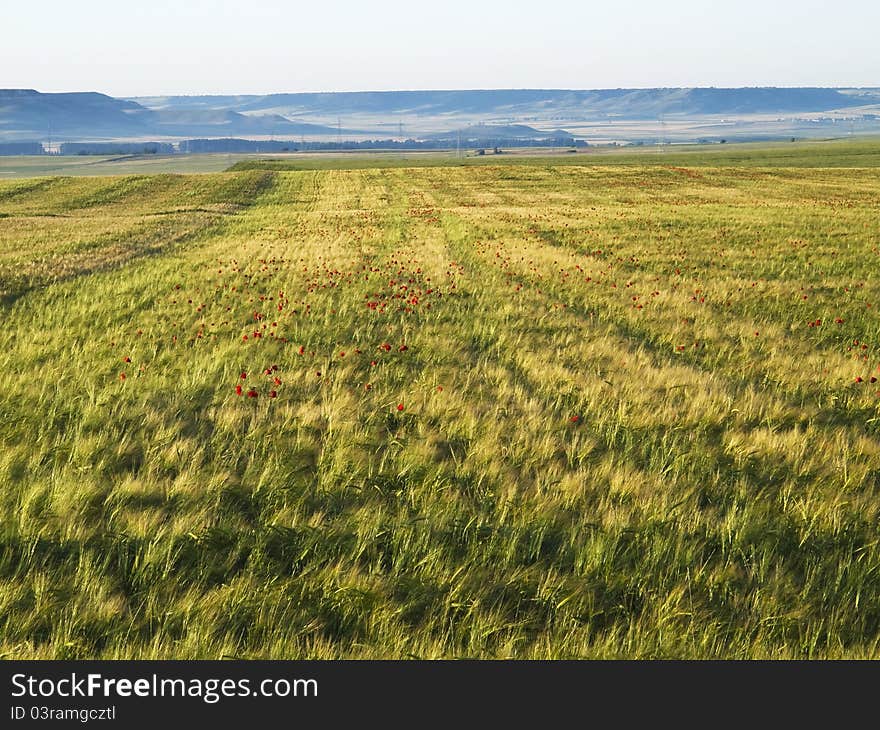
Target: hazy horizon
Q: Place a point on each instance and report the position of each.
(235, 92)
(227, 47)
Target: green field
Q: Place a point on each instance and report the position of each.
(836, 153)
(529, 411)
(101, 165)
(816, 153)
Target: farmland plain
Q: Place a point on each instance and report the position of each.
(532, 411)
(837, 153)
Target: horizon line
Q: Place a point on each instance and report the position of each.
(450, 90)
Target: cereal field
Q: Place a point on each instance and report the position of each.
(498, 411)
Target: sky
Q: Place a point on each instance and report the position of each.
(126, 48)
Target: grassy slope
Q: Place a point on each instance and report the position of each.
(715, 496)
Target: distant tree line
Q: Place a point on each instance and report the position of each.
(232, 145)
(443, 144)
(509, 142)
(235, 145)
(21, 148)
(89, 148)
(117, 148)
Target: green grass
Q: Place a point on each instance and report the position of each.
(858, 152)
(813, 153)
(98, 165)
(622, 432)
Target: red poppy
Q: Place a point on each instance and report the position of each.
(575, 419)
(126, 359)
(122, 376)
(238, 390)
(400, 406)
(243, 375)
(272, 394)
(252, 393)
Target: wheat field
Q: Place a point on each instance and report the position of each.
(497, 411)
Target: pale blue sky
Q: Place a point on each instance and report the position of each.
(231, 46)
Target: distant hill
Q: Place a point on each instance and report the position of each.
(223, 123)
(499, 132)
(29, 114)
(626, 103)
(26, 114)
